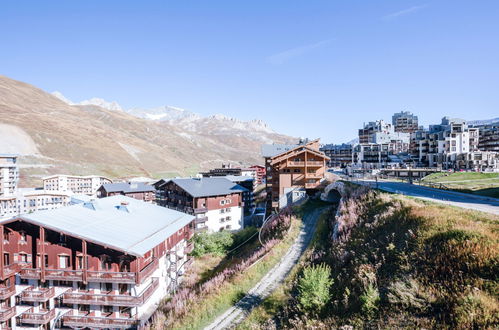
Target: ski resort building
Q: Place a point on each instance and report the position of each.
(99, 264)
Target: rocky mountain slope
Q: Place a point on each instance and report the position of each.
(54, 136)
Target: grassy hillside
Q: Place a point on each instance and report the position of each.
(486, 184)
(398, 263)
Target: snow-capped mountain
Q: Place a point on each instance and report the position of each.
(93, 101)
(102, 103)
(218, 124)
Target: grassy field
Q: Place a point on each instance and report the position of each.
(398, 263)
(485, 184)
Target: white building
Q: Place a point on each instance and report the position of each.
(87, 185)
(9, 175)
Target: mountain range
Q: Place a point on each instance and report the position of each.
(55, 135)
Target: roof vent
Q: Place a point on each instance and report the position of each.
(89, 205)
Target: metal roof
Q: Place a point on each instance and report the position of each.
(127, 187)
(134, 228)
(239, 178)
(271, 150)
(211, 186)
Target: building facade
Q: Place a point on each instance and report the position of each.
(87, 185)
(104, 264)
(405, 122)
(292, 171)
(216, 202)
(137, 190)
(9, 175)
(260, 173)
(340, 155)
(489, 137)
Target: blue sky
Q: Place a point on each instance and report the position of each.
(308, 68)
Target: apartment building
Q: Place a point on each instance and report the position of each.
(104, 264)
(137, 190)
(260, 173)
(441, 145)
(216, 202)
(28, 200)
(231, 170)
(405, 122)
(9, 175)
(489, 137)
(292, 171)
(87, 185)
(340, 155)
(248, 195)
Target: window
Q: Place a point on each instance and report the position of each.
(227, 209)
(222, 210)
(222, 219)
(63, 261)
(107, 309)
(228, 218)
(222, 202)
(22, 235)
(296, 170)
(228, 227)
(6, 259)
(23, 257)
(79, 262)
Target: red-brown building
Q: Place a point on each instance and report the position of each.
(137, 190)
(260, 173)
(292, 171)
(100, 264)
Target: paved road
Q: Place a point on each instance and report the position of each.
(468, 201)
(271, 280)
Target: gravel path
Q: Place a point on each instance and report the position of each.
(271, 280)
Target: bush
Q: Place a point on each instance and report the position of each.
(369, 301)
(215, 243)
(314, 286)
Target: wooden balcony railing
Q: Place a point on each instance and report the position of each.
(85, 298)
(97, 322)
(148, 270)
(92, 276)
(308, 163)
(7, 313)
(311, 185)
(200, 210)
(6, 292)
(40, 295)
(10, 270)
(42, 317)
(200, 220)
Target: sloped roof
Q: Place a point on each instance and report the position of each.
(127, 187)
(134, 228)
(211, 186)
(271, 150)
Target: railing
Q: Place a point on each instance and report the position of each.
(64, 275)
(311, 185)
(148, 270)
(189, 248)
(97, 322)
(313, 176)
(303, 163)
(110, 277)
(31, 317)
(10, 270)
(200, 220)
(30, 294)
(200, 210)
(7, 313)
(6, 292)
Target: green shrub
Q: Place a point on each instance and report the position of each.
(476, 311)
(215, 243)
(313, 287)
(369, 301)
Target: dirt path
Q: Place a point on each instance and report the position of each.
(272, 279)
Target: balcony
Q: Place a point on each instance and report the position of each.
(200, 220)
(92, 276)
(86, 298)
(200, 210)
(148, 270)
(311, 163)
(314, 176)
(189, 248)
(97, 322)
(42, 317)
(6, 292)
(6, 313)
(311, 185)
(10, 270)
(39, 295)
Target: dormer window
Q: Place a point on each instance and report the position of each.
(22, 236)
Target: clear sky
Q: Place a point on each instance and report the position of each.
(308, 68)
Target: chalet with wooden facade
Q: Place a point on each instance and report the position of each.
(99, 264)
(216, 202)
(292, 171)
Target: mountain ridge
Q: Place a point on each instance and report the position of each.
(56, 137)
